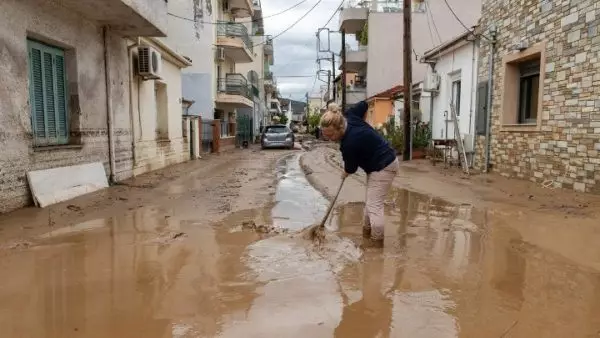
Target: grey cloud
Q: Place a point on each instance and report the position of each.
(296, 50)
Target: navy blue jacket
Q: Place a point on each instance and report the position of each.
(361, 145)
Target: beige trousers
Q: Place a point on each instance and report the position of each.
(378, 186)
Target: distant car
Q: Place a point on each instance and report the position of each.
(277, 136)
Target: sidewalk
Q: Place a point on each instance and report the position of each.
(563, 222)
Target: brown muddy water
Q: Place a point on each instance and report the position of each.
(446, 271)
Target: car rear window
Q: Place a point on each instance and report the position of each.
(277, 130)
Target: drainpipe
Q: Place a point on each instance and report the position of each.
(491, 60)
(431, 95)
(109, 108)
(473, 88)
(131, 120)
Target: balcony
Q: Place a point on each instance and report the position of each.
(257, 8)
(269, 81)
(356, 59)
(128, 17)
(233, 92)
(241, 8)
(353, 17)
(236, 43)
(268, 46)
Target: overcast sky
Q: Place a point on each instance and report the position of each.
(296, 50)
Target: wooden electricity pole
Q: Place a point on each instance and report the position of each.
(407, 78)
(333, 70)
(343, 77)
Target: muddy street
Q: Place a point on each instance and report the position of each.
(212, 248)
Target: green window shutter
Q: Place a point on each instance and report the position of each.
(47, 87)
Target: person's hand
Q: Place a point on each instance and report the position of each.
(344, 175)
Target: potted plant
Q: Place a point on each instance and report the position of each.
(421, 139)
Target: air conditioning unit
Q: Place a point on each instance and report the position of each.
(432, 82)
(220, 54)
(149, 63)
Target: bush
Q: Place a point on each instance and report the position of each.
(313, 121)
(421, 135)
(393, 134)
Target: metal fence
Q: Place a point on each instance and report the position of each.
(245, 130)
(224, 128)
(207, 136)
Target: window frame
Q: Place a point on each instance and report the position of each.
(456, 95)
(529, 71)
(509, 112)
(62, 137)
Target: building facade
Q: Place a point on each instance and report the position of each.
(545, 125)
(65, 98)
(451, 80)
(378, 58)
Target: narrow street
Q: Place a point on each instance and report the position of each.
(210, 248)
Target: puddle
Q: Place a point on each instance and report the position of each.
(446, 271)
(298, 204)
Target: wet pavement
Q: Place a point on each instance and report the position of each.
(447, 270)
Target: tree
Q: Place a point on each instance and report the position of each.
(313, 121)
(283, 119)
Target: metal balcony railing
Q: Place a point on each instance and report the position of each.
(375, 5)
(268, 75)
(234, 84)
(236, 30)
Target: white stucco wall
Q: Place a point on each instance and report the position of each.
(196, 40)
(385, 51)
(153, 151)
(458, 64)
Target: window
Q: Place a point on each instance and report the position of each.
(162, 111)
(48, 94)
(522, 89)
(456, 86)
(529, 87)
(482, 95)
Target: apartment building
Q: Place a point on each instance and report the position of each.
(545, 125)
(378, 58)
(68, 90)
(257, 72)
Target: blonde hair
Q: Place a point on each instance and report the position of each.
(333, 117)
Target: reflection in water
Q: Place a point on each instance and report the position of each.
(446, 271)
(371, 316)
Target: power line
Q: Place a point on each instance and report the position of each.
(254, 20)
(462, 23)
(433, 21)
(332, 15)
(292, 25)
(328, 21)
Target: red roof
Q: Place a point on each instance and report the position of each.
(390, 93)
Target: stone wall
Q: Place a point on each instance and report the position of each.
(564, 147)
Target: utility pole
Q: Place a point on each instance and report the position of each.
(343, 78)
(333, 70)
(328, 84)
(407, 78)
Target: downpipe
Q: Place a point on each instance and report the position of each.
(109, 107)
(472, 119)
(488, 143)
(131, 119)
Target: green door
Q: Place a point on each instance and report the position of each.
(244, 131)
